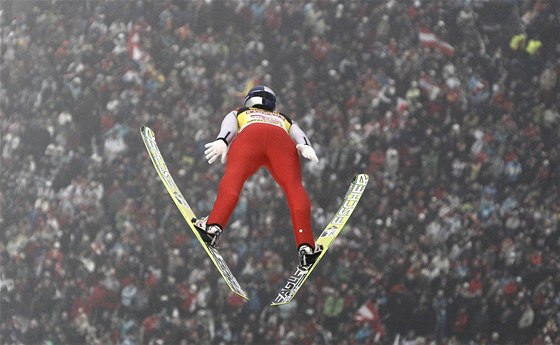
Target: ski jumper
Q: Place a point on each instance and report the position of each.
(263, 138)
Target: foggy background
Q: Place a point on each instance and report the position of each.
(450, 106)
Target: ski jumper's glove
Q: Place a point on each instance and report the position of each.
(216, 149)
(307, 152)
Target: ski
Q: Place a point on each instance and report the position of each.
(149, 139)
(331, 231)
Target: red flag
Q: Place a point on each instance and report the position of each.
(369, 313)
(430, 39)
(135, 51)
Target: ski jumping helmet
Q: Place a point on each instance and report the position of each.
(261, 97)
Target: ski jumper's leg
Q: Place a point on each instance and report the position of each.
(246, 155)
(284, 165)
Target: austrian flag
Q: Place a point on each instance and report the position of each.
(369, 313)
(135, 51)
(430, 39)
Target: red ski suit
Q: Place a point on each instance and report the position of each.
(263, 139)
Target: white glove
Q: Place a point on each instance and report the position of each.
(215, 149)
(307, 152)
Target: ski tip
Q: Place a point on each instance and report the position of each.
(146, 131)
(361, 178)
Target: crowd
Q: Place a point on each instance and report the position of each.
(456, 241)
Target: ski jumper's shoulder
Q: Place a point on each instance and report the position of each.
(241, 110)
(289, 119)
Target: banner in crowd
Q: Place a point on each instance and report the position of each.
(135, 51)
(369, 313)
(430, 39)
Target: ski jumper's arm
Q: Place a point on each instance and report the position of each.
(297, 135)
(302, 143)
(228, 130)
(219, 147)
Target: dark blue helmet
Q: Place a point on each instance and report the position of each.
(261, 97)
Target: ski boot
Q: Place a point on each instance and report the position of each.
(308, 255)
(209, 233)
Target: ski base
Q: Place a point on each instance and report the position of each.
(331, 231)
(186, 211)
